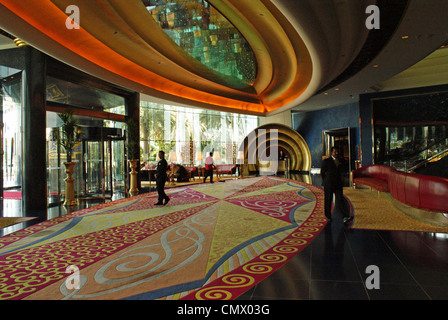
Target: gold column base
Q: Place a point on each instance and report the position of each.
(133, 190)
(69, 185)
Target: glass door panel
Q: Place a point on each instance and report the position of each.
(94, 168)
(118, 167)
(104, 163)
(108, 189)
(55, 170)
(56, 156)
(11, 105)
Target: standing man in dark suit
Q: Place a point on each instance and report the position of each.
(331, 173)
(161, 177)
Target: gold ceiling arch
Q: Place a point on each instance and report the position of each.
(121, 39)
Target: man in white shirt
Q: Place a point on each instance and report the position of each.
(209, 167)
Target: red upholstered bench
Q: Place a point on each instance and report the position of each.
(375, 183)
(418, 191)
(374, 176)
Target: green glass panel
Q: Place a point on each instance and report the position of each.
(205, 34)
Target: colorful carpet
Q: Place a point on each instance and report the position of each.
(210, 242)
(371, 212)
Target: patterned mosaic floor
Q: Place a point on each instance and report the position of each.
(210, 242)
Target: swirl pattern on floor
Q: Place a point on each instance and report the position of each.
(210, 242)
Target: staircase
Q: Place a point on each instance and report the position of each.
(431, 161)
(435, 166)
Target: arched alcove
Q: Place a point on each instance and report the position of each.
(266, 138)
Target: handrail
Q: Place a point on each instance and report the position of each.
(441, 141)
(441, 154)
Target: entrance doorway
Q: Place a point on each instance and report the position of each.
(100, 170)
(103, 154)
(340, 138)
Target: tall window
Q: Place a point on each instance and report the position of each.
(187, 135)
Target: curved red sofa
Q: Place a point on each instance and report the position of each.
(416, 190)
(375, 176)
(420, 191)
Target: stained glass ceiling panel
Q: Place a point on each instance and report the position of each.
(206, 35)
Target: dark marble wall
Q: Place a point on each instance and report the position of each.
(34, 183)
(14, 58)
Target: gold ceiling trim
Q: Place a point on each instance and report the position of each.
(242, 20)
(112, 37)
(129, 30)
(282, 54)
(285, 63)
(147, 29)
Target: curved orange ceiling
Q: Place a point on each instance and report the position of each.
(111, 36)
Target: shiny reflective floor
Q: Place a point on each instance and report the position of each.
(410, 265)
(333, 267)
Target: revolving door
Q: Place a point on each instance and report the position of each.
(104, 170)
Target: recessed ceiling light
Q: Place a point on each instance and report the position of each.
(375, 66)
(405, 37)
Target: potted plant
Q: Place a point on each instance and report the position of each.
(70, 135)
(133, 138)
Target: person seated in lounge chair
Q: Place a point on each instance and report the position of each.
(180, 172)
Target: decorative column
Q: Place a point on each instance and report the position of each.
(133, 112)
(34, 184)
